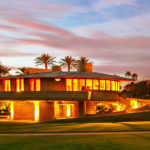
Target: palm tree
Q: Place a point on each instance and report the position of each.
(68, 62)
(128, 74)
(134, 76)
(84, 60)
(4, 70)
(45, 59)
(21, 70)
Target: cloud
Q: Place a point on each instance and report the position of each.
(102, 4)
(14, 53)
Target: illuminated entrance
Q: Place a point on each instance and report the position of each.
(62, 110)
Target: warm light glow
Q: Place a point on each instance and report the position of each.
(113, 85)
(108, 85)
(7, 85)
(119, 86)
(35, 85)
(68, 110)
(95, 84)
(57, 79)
(88, 84)
(36, 111)
(102, 84)
(89, 95)
(69, 84)
(12, 110)
(82, 84)
(19, 85)
(91, 84)
(38, 85)
(75, 85)
(134, 104)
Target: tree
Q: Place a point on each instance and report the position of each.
(21, 70)
(134, 76)
(4, 70)
(45, 59)
(68, 62)
(84, 60)
(128, 74)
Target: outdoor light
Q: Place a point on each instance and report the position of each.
(57, 79)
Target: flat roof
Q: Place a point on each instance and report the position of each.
(70, 75)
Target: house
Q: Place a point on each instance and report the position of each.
(52, 95)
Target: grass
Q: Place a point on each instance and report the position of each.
(11, 127)
(76, 142)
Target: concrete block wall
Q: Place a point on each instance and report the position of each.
(23, 110)
(49, 84)
(46, 111)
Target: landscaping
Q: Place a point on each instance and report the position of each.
(74, 142)
(10, 127)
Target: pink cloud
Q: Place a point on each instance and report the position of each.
(14, 53)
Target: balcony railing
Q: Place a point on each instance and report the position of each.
(60, 95)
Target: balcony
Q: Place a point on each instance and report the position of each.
(60, 95)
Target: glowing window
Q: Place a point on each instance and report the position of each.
(75, 85)
(19, 85)
(81, 84)
(113, 85)
(7, 85)
(69, 84)
(102, 84)
(118, 86)
(35, 85)
(88, 84)
(108, 85)
(95, 84)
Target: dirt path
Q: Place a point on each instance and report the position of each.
(83, 133)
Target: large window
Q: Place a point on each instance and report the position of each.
(75, 85)
(6, 85)
(69, 84)
(107, 85)
(19, 85)
(35, 84)
(102, 84)
(81, 84)
(95, 84)
(113, 85)
(88, 84)
(91, 84)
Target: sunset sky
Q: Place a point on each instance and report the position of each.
(114, 34)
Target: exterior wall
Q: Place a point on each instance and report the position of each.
(49, 84)
(36, 70)
(90, 107)
(13, 84)
(81, 109)
(1, 85)
(104, 95)
(23, 111)
(26, 85)
(46, 111)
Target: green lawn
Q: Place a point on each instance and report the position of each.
(76, 142)
(10, 127)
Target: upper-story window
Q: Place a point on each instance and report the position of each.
(107, 85)
(91, 84)
(19, 85)
(6, 85)
(35, 84)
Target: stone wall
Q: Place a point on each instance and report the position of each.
(104, 96)
(49, 84)
(46, 111)
(23, 111)
(90, 107)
